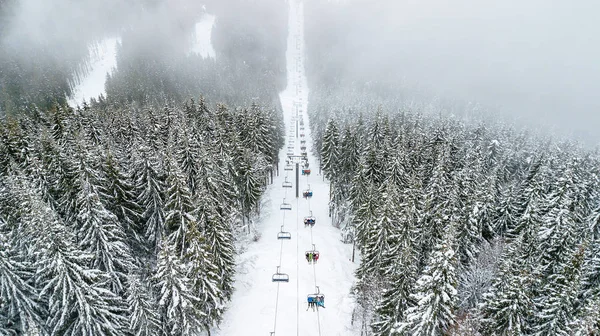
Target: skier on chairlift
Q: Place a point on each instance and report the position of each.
(320, 301)
(311, 303)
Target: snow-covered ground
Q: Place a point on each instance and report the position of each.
(103, 61)
(202, 43)
(259, 306)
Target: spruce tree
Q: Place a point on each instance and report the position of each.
(101, 235)
(434, 293)
(178, 208)
(118, 195)
(177, 303)
(143, 314)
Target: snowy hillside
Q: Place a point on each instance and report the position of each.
(202, 44)
(104, 59)
(260, 306)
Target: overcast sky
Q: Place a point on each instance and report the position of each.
(535, 60)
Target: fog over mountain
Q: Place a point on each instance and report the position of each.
(535, 62)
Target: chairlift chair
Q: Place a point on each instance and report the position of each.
(290, 153)
(286, 183)
(285, 206)
(312, 255)
(306, 172)
(316, 298)
(303, 148)
(283, 234)
(310, 220)
(302, 142)
(288, 167)
(307, 193)
(302, 135)
(280, 277)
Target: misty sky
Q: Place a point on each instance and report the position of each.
(534, 60)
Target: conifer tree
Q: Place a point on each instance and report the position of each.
(219, 237)
(77, 301)
(205, 280)
(557, 306)
(330, 155)
(508, 307)
(143, 315)
(177, 303)
(118, 194)
(434, 293)
(101, 235)
(178, 209)
(18, 298)
(151, 189)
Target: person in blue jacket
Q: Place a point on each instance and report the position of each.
(321, 301)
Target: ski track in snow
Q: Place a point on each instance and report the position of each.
(202, 43)
(104, 59)
(252, 309)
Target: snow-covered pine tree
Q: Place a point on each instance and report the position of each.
(188, 158)
(178, 208)
(77, 301)
(249, 185)
(217, 230)
(177, 303)
(382, 234)
(557, 305)
(205, 280)
(400, 262)
(118, 195)
(330, 156)
(434, 293)
(150, 190)
(508, 309)
(20, 308)
(143, 314)
(101, 235)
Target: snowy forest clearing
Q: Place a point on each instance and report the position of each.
(260, 306)
(202, 43)
(103, 60)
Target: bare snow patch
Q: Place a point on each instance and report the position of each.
(202, 44)
(103, 61)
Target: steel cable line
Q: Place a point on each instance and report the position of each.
(278, 284)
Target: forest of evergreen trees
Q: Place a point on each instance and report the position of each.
(463, 230)
(124, 216)
(465, 226)
(124, 221)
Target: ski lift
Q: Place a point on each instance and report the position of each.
(290, 153)
(312, 256)
(283, 234)
(302, 128)
(286, 183)
(317, 300)
(280, 277)
(307, 193)
(302, 142)
(285, 206)
(302, 135)
(306, 172)
(303, 148)
(310, 220)
(305, 165)
(288, 167)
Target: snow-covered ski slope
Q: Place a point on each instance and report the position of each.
(104, 59)
(260, 306)
(202, 42)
